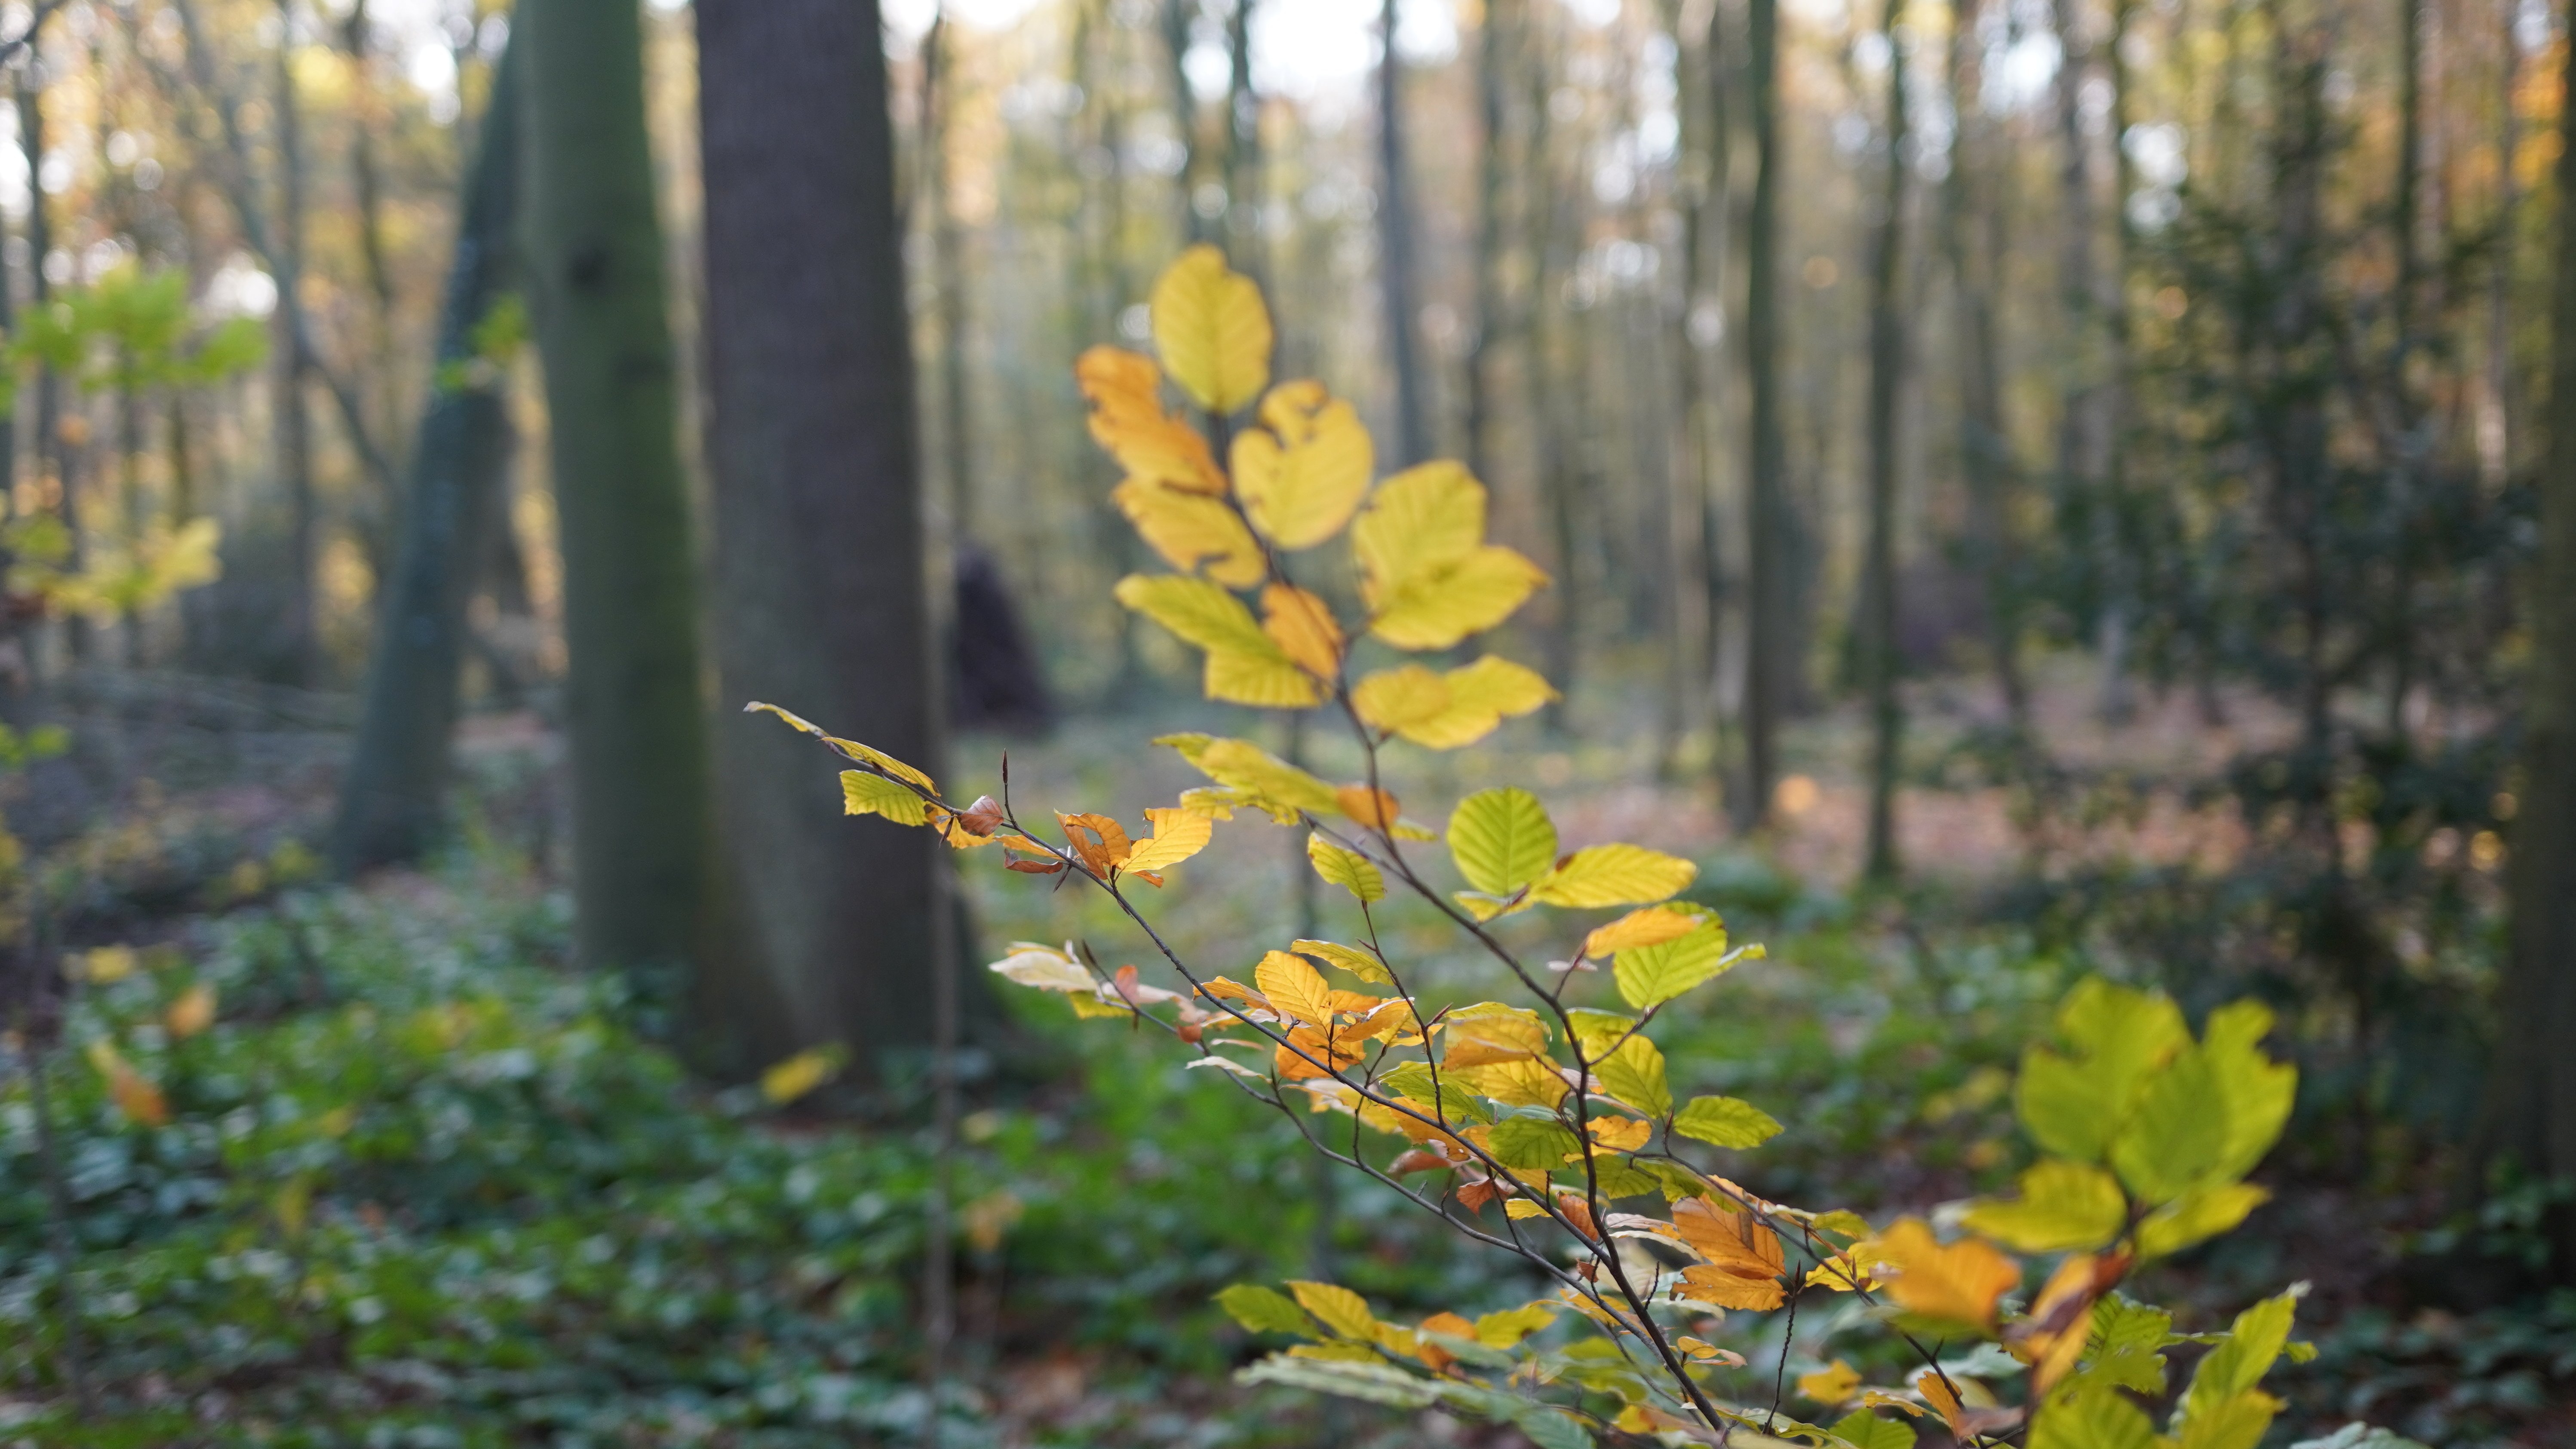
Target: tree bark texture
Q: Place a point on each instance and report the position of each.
(821, 600)
(1886, 380)
(644, 869)
(390, 799)
(1769, 629)
(1395, 252)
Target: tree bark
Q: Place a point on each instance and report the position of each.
(2533, 1088)
(821, 599)
(1493, 173)
(948, 282)
(2083, 430)
(1395, 251)
(299, 650)
(1886, 379)
(644, 870)
(1769, 625)
(390, 798)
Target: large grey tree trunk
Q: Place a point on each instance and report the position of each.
(644, 872)
(390, 799)
(821, 603)
(1770, 633)
(2534, 1082)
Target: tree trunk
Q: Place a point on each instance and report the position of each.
(644, 872)
(821, 599)
(1185, 118)
(948, 281)
(390, 798)
(1493, 174)
(2083, 432)
(1395, 251)
(1886, 379)
(2533, 1086)
(1242, 147)
(299, 652)
(1769, 627)
(49, 394)
(1977, 241)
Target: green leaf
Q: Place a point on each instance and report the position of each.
(1865, 1429)
(1501, 839)
(2091, 1416)
(2238, 1421)
(1634, 1074)
(2253, 1344)
(1726, 1122)
(1414, 1082)
(866, 794)
(1594, 1031)
(1532, 1144)
(1348, 869)
(1204, 613)
(1264, 1310)
(2177, 1135)
(1551, 1428)
(1620, 1177)
(2063, 1205)
(1649, 976)
(2257, 1089)
(2075, 1105)
(2197, 1216)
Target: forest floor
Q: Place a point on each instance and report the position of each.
(421, 1185)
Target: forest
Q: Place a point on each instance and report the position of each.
(1199, 723)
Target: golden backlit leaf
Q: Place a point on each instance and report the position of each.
(1392, 699)
(1357, 962)
(1492, 1032)
(1521, 1081)
(1258, 778)
(1337, 1308)
(1613, 875)
(1212, 330)
(864, 754)
(1831, 1384)
(1621, 1134)
(1099, 841)
(1304, 628)
(1244, 664)
(1128, 419)
(1348, 869)
(1193, 532)
(1480, 697)
(1937, 1392)
(1376, 809)
(1300, 474)
(1956, 1283)
(1436, 609)
(1417, 521)
(1178, 835)
(1651, 926)
(192, 1013)
(1295, 988)
(1264, 681)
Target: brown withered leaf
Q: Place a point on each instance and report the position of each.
(983, 817)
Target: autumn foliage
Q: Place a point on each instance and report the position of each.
(1546, 1125)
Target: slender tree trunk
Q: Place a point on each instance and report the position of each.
(1493, 176)
(1395, 251)
(1547, 222)
(1185, 117)
(299, 649)
(644, 871)
(948, 280)
(49, 452)
(1244, 235)
(2404, 224)
(1976, 239)
(1886, 379)
(2533, 1084)
(2082, 432)
(2495, 450)
(822, 599)
(390, 798)
(1769, 626)
(1711, 224)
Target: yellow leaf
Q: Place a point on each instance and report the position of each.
(1957, 1283)
(108, 964)
(1492, 1032)
(192, 1013)
(1436, 609)
(1212, 330)
(1613, 875)
(1522, 1081)
(1831, 1384)
(864, 754)
(1481, 696)
(792, 1078)
(1304, 628)
(1194, 533)
(1100, 842)
(1359, 963)
(1651, 926)
(1519, 1208)
(1393, 699)
(1127, 418)
(1178, 835)
(1621, 1134)
(1936, 1392)
(1417, 521)
(1300, 475)
(1348, 869)
(1337, 1308)
(1262, 780)
(866, 794)
(1266, 680)
(1295, 988)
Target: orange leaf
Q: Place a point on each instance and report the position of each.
(1100, 841)
(1936, 1392)
(1621, 1134)
(1304, 628)
(1375, 809)
(1128, 419)
(1652, 926)
(1744, 1260)
(1959, 1283)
